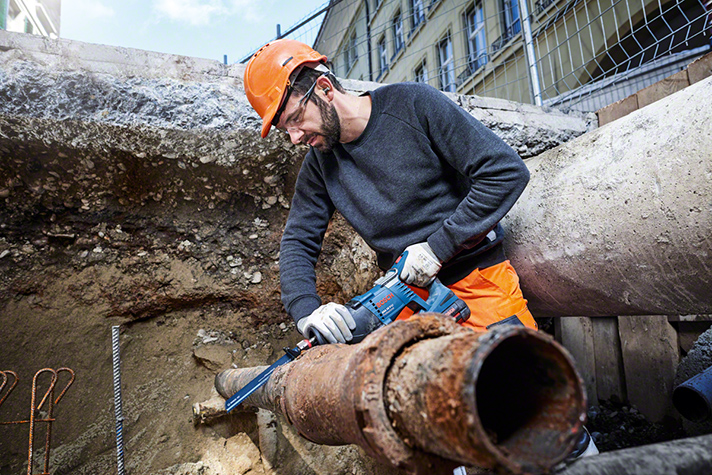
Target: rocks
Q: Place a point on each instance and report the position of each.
(237, 455)
(614, 426)
(214, 336)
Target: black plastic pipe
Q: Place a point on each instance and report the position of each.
(693, 398)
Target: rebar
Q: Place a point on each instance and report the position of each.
(118, 412)
(35, 409)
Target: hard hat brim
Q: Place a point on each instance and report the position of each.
(269, 116)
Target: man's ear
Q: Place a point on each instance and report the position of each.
(325, 87)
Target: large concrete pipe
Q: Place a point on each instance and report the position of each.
(426, 395)
(618, 221)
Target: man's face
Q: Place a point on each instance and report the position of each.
(317, 124)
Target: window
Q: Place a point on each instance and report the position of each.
(12, 10)
(398, 32)
(476, 40)
(447, 65)
(382, 56)
(351, 53)
(421, 73)
(416, 9)
(510, 17)
(510, 23)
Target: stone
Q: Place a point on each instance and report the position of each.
(213, 357)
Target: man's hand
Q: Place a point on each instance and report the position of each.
(421, 265)
(332, 321)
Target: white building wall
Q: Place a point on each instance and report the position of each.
(38, 17)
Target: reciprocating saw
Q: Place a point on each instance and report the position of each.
(378, 307)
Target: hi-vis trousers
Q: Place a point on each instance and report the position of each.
(492, 294)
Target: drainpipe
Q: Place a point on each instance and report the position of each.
(368, 41)
(529, 48)
(4, 5)
(426, 395)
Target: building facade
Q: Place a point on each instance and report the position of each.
(38, 17)
(479, 46)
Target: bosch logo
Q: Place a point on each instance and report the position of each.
(385, 299)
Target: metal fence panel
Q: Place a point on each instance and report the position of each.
(583, 54)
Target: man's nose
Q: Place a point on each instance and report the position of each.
(296, 135)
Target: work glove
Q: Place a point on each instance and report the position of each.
(421, 265)
(331, 322)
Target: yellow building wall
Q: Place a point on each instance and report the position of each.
(565, 44)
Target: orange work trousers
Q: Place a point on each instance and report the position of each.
(492, 294)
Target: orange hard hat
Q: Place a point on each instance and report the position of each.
(267, 75)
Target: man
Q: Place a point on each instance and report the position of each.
(408, 169)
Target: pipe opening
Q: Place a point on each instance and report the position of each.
(526, 397)
(690, 404)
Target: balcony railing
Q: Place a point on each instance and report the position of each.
(508, 34)
(541, 5)
(473, 65)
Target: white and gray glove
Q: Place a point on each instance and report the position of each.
(332, 321)
(421, 265)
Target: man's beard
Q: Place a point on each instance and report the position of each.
(331, 126)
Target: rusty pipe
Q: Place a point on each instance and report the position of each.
(426, 395)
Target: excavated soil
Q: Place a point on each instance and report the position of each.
(195, 290)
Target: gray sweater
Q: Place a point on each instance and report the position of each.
(422, 170)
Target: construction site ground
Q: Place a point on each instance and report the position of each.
(135, 191)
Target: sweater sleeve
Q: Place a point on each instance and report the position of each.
(497, 175)
(301, 243)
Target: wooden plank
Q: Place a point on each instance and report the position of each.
(690, 318)
(688, 332)
(663, 88)
(610, 379)
(700, 69)
(650, 357)
(576, 335)
(617, 110)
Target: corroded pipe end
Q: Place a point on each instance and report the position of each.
(509, 398)
(529, 398)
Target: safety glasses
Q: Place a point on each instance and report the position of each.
(295, 119)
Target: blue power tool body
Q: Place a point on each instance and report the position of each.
(389, 296)
(376, 308)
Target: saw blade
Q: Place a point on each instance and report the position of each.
(237, 398)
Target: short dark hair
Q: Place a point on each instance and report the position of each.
(306, 78)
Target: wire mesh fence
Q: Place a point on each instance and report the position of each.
(581, 54)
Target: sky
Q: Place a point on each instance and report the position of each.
(198, 28)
